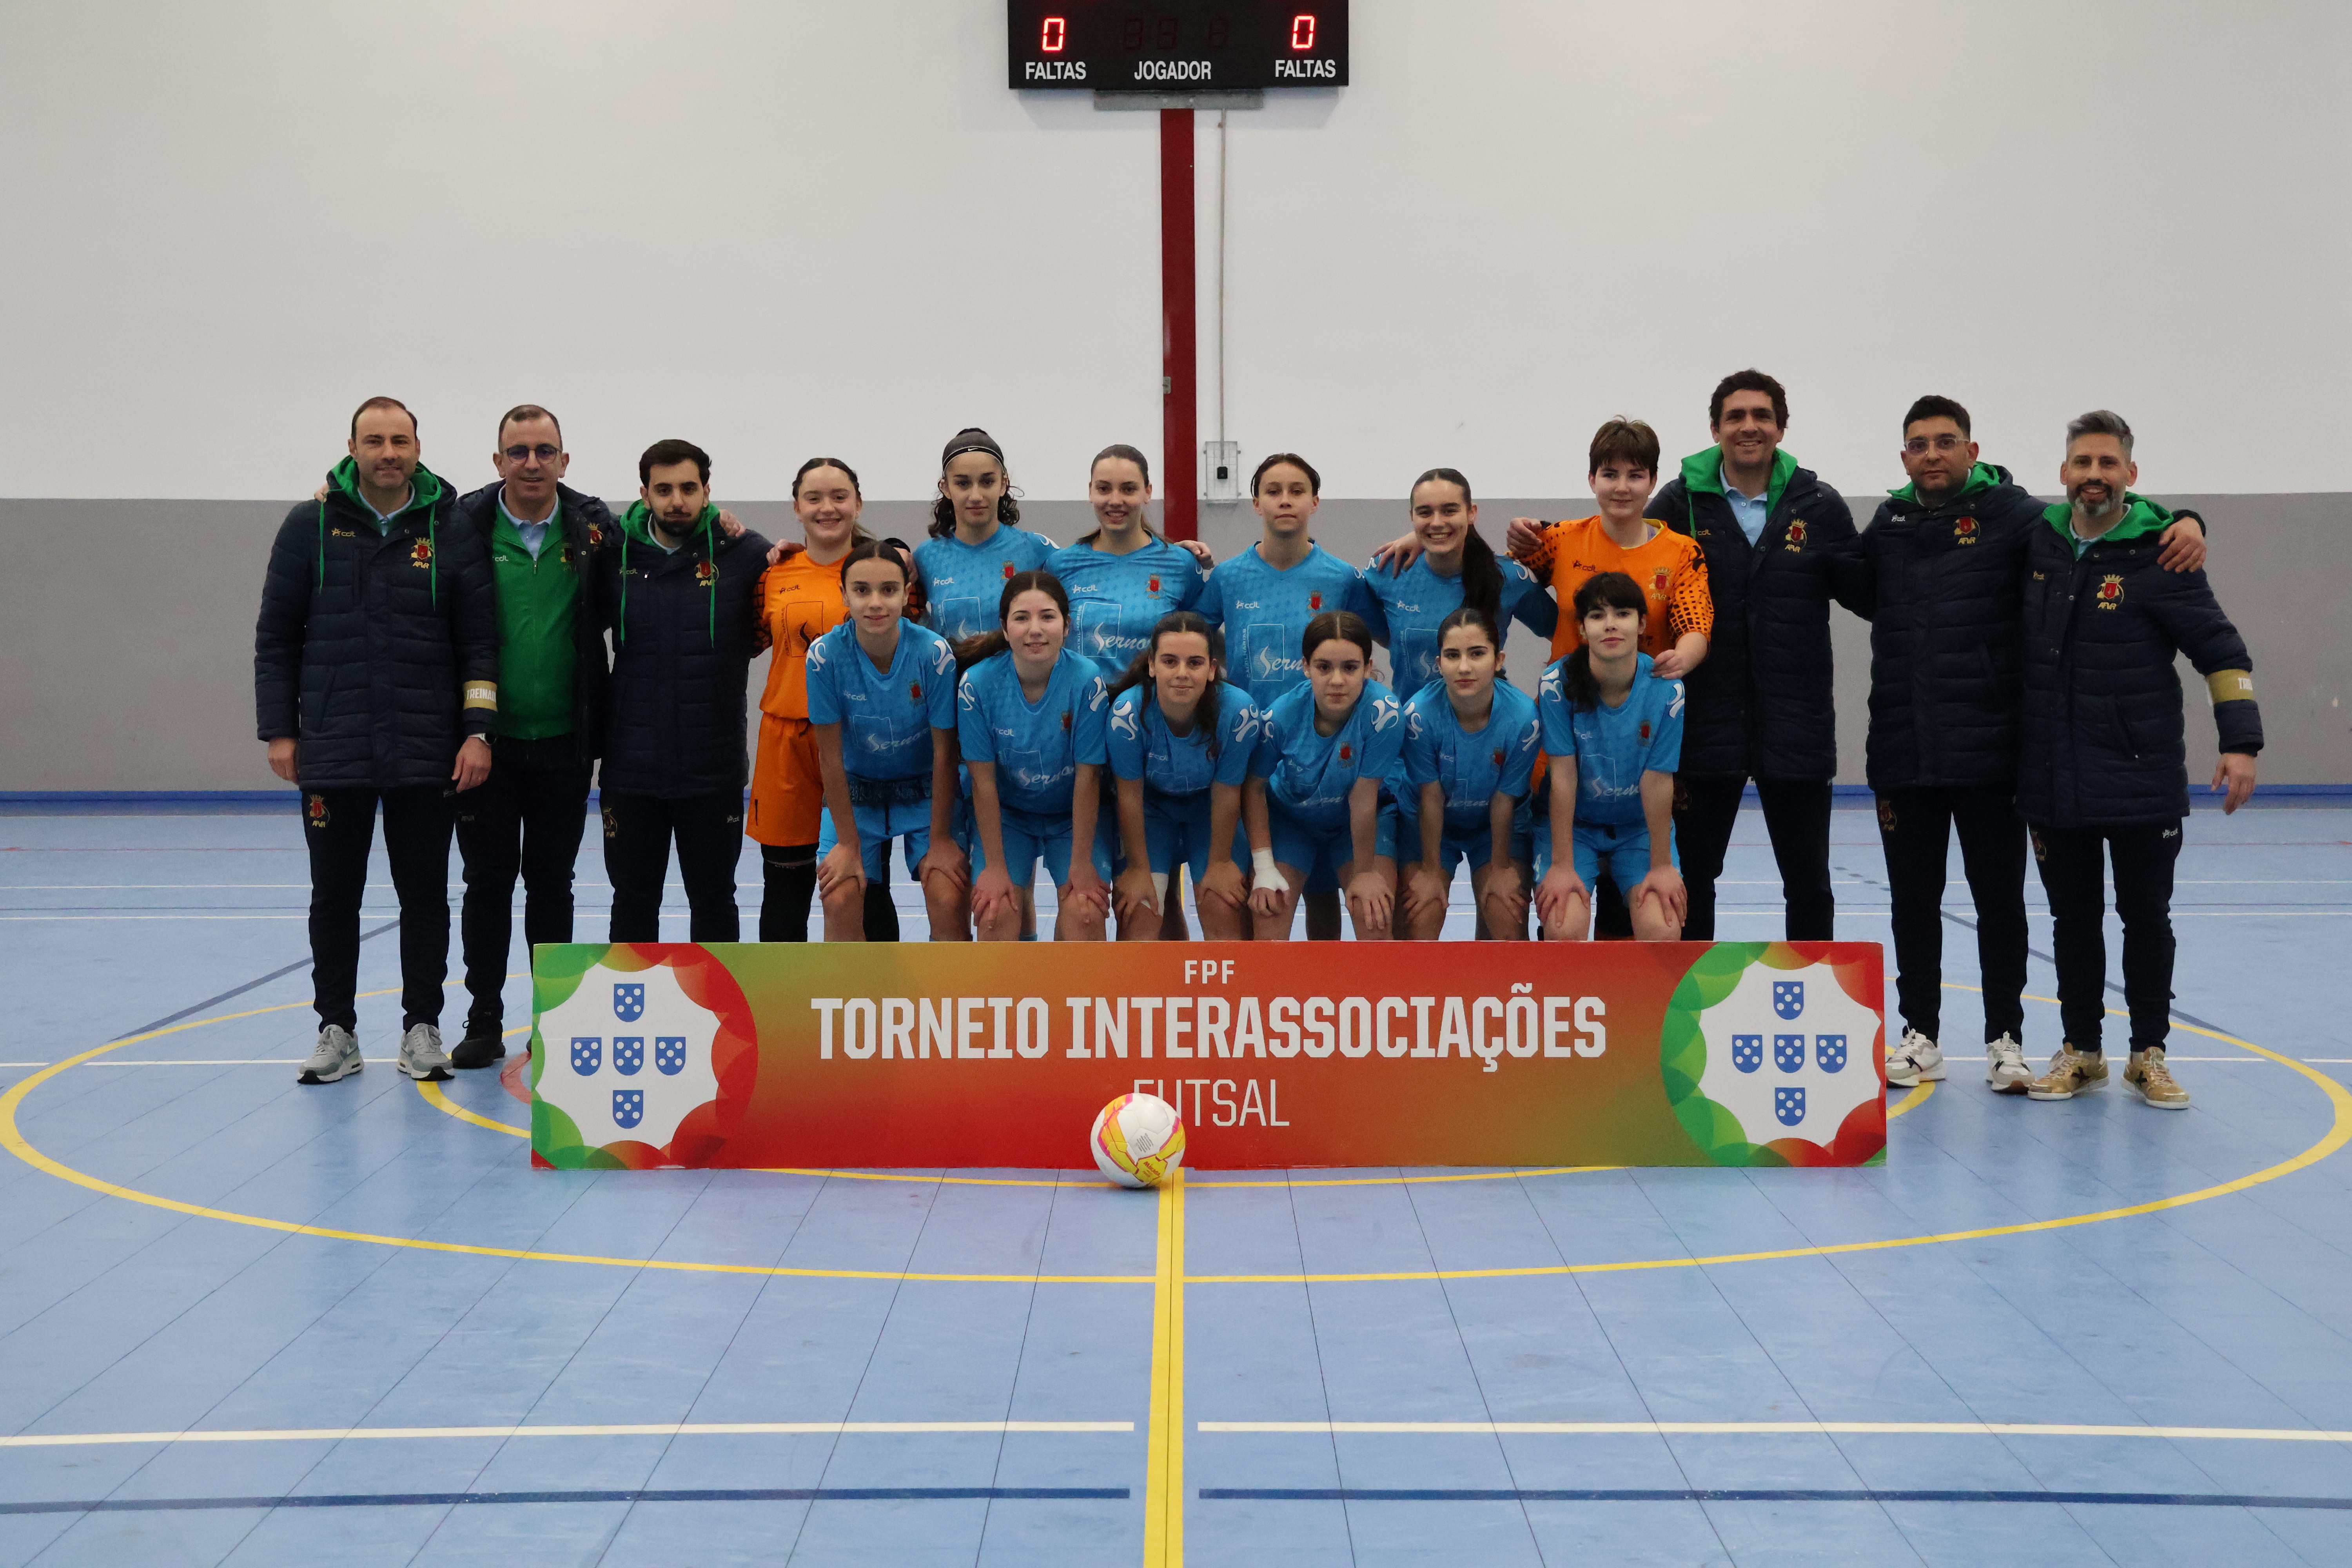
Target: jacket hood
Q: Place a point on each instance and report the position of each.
(637, 522)
(424, 487)
(2141, 517)
(1983, 478)
(1703, 473)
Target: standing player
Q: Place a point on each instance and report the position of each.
(881, 698)
(1181, 739)
(1622, 470)
(1265, 596)
(681, 600)
(1455, 567)
(800, 602)
(1470, 743)
(2104, 771)
(375, 669)
(1615, 736)
(1944, 558)
(1123, 577)
(527, 818)
(1030, 717)
(975, 545)
(1325, 750)
(1779, 545)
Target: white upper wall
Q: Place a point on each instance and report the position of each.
(784, 229)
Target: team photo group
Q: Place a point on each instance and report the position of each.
(1289, 736)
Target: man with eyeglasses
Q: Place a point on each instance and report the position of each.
(1944, 557)
(542, 537)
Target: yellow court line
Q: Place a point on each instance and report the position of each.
(440, 1101)
(1776, 1428)
(1163, 1482)
(1919, 1095)
(661, 1430)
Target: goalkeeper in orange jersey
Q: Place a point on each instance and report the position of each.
(1667, 565)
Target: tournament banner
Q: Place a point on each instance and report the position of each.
(999, 1055)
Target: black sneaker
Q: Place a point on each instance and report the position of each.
(482, 1045)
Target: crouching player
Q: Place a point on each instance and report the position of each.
(1469, 751)
(1321, 758)
(1615, 736)
(1031, 723)
(1180, 742)
(881, 698)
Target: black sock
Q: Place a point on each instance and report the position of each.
(881, 914)
(788, 875)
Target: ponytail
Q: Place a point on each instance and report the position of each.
(1482, 578)
(988, 644)
(1138, 669)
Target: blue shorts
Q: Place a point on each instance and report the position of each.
(877, 826)
(1029, 839)
(1455, 844)
(1176, 832)
(1624, 848)
(1304, 846)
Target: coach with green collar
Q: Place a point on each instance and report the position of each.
(2103, 772)
(1779, 545)
(375, 671)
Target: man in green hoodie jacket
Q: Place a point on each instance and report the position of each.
(375, 683)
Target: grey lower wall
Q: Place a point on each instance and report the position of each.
(127, 627)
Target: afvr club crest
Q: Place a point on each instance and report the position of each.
(1747, 1052)
(1789, 1052)
(628, 1055)
(587, 1053)
(629, 1004)
(1789, 1105)
(629, 1105)
(1788, 997)
(1828, 1052)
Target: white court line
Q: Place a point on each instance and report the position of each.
(664, 1430)
(1771, 1428)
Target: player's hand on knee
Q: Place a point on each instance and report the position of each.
(1134, 892)
(1223, 884)
(1663, 886)
(1560, 888)
(843, 870)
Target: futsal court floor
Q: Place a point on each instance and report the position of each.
(244, 1321)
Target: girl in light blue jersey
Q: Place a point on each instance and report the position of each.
(1455, 567)
(1180, 739)
(1321, 758)
(881, 698)
(1614, 735)
(1123, 577)
(975, 547)
(1030, 716)
(1470, 745)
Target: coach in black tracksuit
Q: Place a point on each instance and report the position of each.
(2104, 770)
(376, 668)
(1944, 557)
(1759, 706)
(680, 598)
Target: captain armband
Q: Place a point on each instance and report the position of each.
(482, 694)
(2230, 685)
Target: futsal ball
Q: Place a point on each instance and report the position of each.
(1137, 1141)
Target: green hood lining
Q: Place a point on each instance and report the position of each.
(424, 490)
(1982, 477)
(638, 524)
(2141, 517)
(1703, 474)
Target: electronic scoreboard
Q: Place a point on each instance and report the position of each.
(1176, 46)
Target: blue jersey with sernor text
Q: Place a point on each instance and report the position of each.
(886, 716)
(1036, 746)
(1116, 600)
(962, 583)
(1408, 604)
(1473, 768)
(1614, 747)
(1143, 747)
(1263, 612)
(1309, 776)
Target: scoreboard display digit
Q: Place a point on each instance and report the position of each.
(1163, 46)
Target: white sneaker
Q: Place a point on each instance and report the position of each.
(1916, 1060)
(421, 1055)
(2005, 1066)
(337, 1054)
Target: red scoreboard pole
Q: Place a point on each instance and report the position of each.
(1180, 478)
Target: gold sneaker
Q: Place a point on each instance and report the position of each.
(2071, 1073)
(2147, 1074)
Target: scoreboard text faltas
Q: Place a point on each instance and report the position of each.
(1119, 45)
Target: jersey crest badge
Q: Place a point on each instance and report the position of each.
(596, 535)
(915, 691)
(705, 572)
(1796, 534)
(1645, 735)
(2111, 591)
(1152, 585)
(1314, 601)
(1964, 530)
(1498, 756)
(1065, 719)
(317, 812)
(1008, 571)
(1347, 753)
(1660, 581)
(420, 553)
